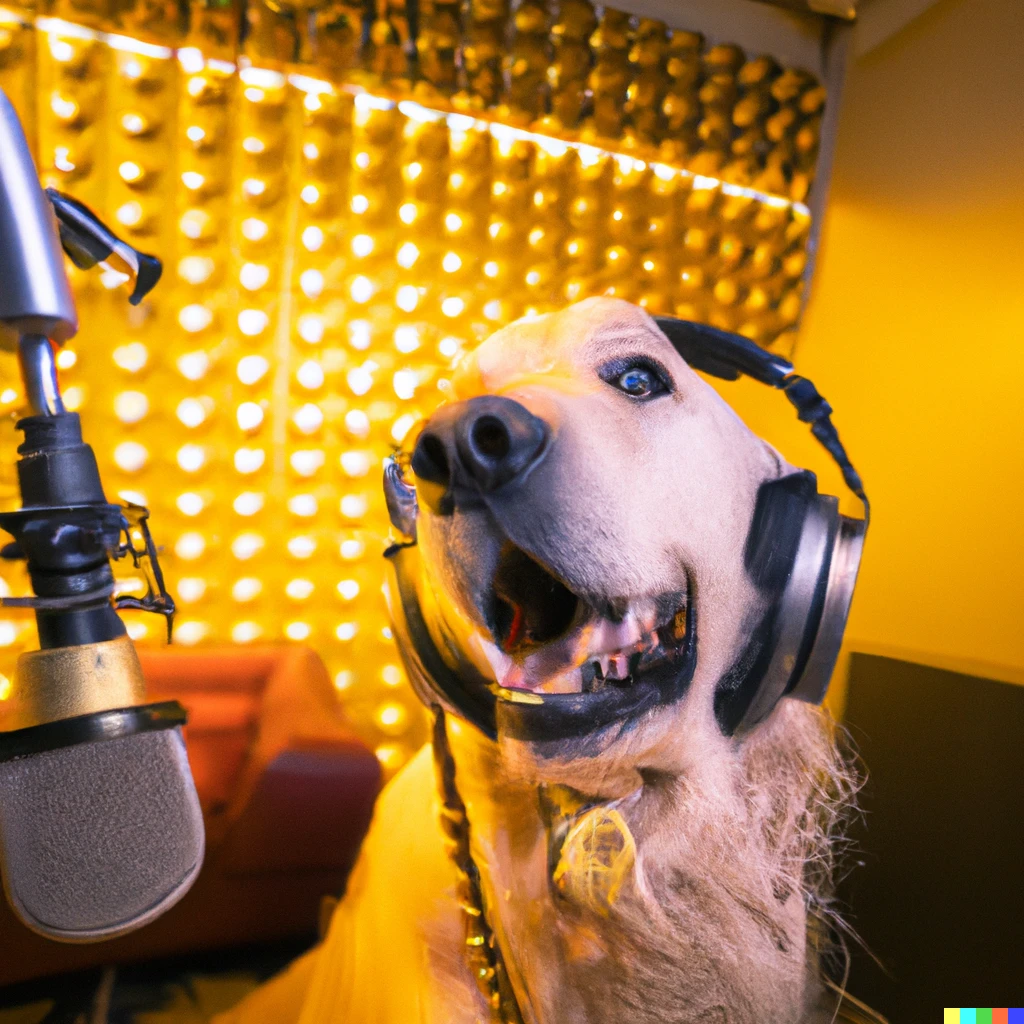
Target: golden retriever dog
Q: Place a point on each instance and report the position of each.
(595, 835)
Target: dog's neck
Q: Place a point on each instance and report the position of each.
(643, 893)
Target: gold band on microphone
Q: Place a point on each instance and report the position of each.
(67, 681)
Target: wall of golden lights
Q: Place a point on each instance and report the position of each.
(343, 205)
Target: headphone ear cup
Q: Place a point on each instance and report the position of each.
(780, 515)
(788, 557)
(811, 684)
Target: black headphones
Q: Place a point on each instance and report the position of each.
(801, 553)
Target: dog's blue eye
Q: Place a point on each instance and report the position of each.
(639, 382)
(637, 377)
(636, 382)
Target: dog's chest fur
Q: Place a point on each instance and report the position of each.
(646, 901)
(676, 948)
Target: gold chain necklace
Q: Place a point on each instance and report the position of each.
(483, 955)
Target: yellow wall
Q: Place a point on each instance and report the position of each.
(916, 336)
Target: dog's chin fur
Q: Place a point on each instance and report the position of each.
(727, 911)
(732, 873)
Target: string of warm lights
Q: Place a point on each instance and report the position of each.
(329, 250)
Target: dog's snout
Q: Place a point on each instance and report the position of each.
(430, 459)
(484, 443)
(489, 438)
(498, 440)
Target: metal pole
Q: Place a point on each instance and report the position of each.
(39, 372)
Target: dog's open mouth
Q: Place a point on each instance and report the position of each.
(548, 640)
(531, 606)
(563, 667)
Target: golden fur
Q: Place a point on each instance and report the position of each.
(724, 907)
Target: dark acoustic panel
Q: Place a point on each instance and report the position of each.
(939, 897)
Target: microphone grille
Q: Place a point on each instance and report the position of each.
(99, 838)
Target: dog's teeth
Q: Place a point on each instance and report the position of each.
(617, 666)
(565, 682)
(679, 624)
(502, 666)
(613, 636)
(514, 677)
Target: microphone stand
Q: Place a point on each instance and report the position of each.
(66, 529)
(84, 686)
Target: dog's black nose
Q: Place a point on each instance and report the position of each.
(483, 442)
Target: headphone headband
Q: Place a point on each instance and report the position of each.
(729, 356)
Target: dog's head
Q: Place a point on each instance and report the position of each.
(584, 507)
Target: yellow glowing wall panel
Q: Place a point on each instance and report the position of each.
(921, 354)
(330, 247)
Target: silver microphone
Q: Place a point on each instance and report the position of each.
(100, 825)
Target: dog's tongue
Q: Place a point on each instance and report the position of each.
(531, 606)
